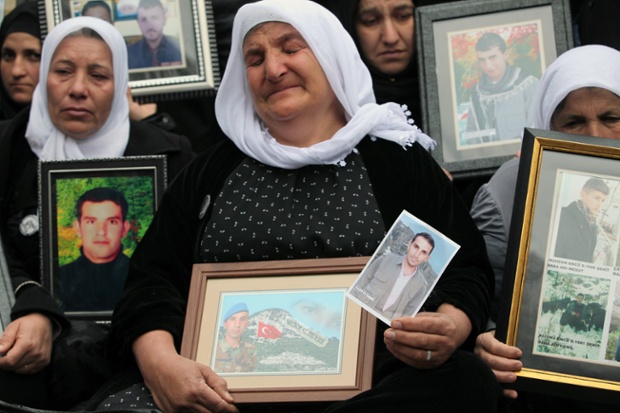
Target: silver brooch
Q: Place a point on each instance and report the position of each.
(29, 225)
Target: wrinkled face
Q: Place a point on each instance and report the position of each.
(385, 29)
(80, 86)
(151, 21)
(236, 324)
(493, 63)
(590, 111)
(99, 12)
(592, 199)
(19, 66)
(101, 229)
(285, 78)
(419, 252)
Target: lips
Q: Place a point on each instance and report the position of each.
(75, 111)
(279, 89)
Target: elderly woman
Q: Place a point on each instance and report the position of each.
(20, 55)
(306, 140)
(79, 112)
(579, 93)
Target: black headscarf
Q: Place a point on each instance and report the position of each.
(403, 87)
(23, 19)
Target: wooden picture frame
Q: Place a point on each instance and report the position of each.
(535, 32)
(299, 357)
(562, 307)
(140, 181)
(189, 24)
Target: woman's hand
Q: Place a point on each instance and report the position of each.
(177, 383)
(139, 111)
(501, 358)
(411, 338)
(26, 345)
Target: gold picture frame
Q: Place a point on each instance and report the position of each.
(563, 311)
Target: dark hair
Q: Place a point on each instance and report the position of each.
(147, 4)
(596, 184)
(98, 195)
(428, 237)
(489, 40)
(96, 3)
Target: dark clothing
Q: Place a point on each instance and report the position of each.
(24, 18)
(399, 178)
(165, 256)
(597, 22)
(86, 286)
(19, 199)
(576, 236)
(141, 55)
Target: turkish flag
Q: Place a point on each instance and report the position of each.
(267, 331)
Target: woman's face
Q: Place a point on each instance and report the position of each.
(80, 86)
(19, 66)
(590, 111)
(385, 30)
(286, 81)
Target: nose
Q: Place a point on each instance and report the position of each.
(274, 67)
(78, 86)
(389, 32)
(19, 67)
(102, 229)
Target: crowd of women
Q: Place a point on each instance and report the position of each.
(316, 110)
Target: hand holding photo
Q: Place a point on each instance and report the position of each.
(404, 269)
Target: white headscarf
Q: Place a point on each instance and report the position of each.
(49, 143)
(345, 71)
(585, 66)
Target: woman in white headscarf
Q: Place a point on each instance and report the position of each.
(580, 94)
(314, 169)
(79, 110)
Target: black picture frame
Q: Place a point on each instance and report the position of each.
(140, 179)
(445, 40)
(561, 355)
(189, 21)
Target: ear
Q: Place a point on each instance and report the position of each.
(126, 227)
(77, 228)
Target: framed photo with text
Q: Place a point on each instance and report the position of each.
(281, 330)
(479, 64)
(563, 267)
(93, 213)
(185, 62)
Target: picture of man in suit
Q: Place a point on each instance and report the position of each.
(396, 285)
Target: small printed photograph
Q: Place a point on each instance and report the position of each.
(404, 269)
(280, 332)
(495, 73)
(572, 314)
(587, 222)
(125, 9)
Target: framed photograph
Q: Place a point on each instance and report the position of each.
(563, 266)
(403, 270)
(479, 64)
(281, 330)
(181, 31)
(93, 213)
(6, 292)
